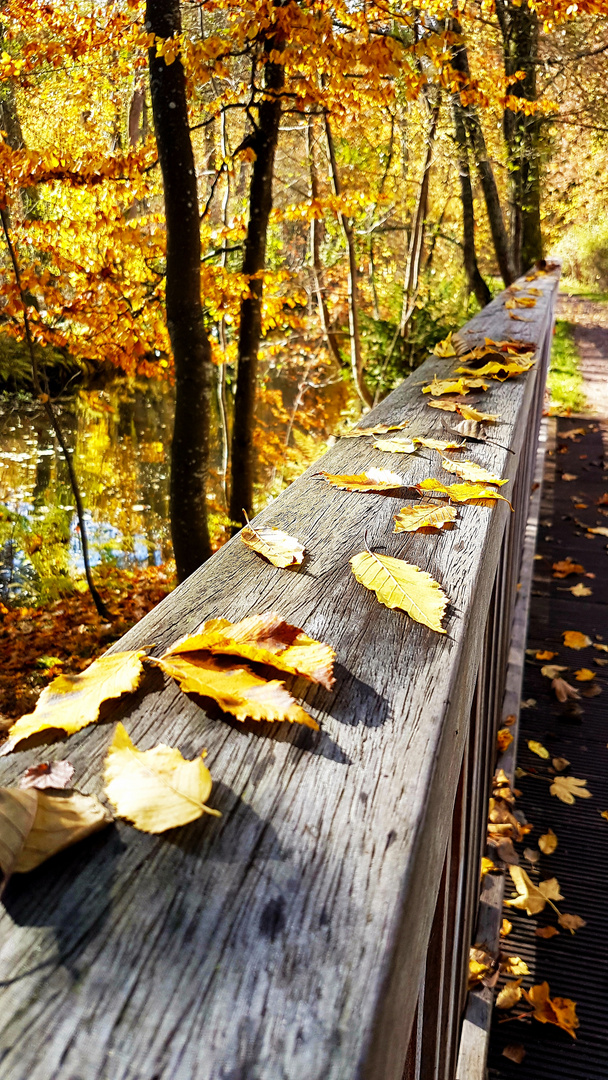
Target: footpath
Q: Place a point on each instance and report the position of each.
(566, 712)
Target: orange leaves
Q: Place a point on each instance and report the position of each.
(565, 567)
(424, 516)
(559, 1011)
(573, 639)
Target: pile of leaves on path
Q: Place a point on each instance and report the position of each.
(61, 638)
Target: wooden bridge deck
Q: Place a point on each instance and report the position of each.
(289, 938)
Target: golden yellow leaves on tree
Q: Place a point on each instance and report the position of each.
(235, 688)
(399, 584)
(73, 701)
(566, 787)
(547, 842)
(538, 748)
(571, 922)
(371, 480)
(454, 386)
(573, 639)
(265, 639)
(395, 446)
(474, 494)
(424, 516)
(546, 932)
(558, 1011)
(532, 898)
(445, 348)
(584, 675)
(155, 789)
(379, 429)
(509, 995)
(471, 473)
(275, 545)
(35, 825)
(504, 739)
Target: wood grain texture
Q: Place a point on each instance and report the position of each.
(287, 939)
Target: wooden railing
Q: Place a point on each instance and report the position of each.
(320, 929)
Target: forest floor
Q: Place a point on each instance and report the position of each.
(570, 720)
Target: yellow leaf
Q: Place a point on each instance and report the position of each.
(445, 348)
(447, 406)
(600, 648)
(573, 639)
(547, 842)
(514, 965)
(469, 413)
(439, 444)
(580, 590)
(521, 301)
(504, 739)
(235, 688)
(500, 370)
(486, 866)
(424, 516)
(35, 825)
(566, 787)
(538, 748)
(155, 789)
(584, 674)
(546, 654)
(475, 494)
(372, 480)
(546, 931)
(559, 1011)
(551, 671)
(454, 386)
(278, 547)
(379, 429)
(509, 995)
(559, 763)
(470, 472)
(395, 446)
(505, 927)
(604, 814)
(571, 922)
(399, 584)
(73, 701)
(600, 531)
(481, 963)
(530, 897)
(266, 639)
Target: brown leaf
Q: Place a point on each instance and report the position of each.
(49, 774)
(546, 931)
(565, 567)
(547, 842)
(559, 764)
(515, 1052)
(564, 691)
(571, 922)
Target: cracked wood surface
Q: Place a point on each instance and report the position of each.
(285, 940)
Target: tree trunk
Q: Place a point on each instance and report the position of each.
(264, 142)
(476, 283)
(330, 338)
(412, 269)
(189, 341)
(356, 355)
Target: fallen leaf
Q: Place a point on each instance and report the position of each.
(571, 922)
(155, 789)
(530, 897)
(470, 472)
(469, 493)
(573, 639)
(564, 691)
(514, 965)
(266, 639)
(395, 446)
(604, 814)
(49, 774)
(445, 348)
(500, 370)
(551, 671)
(438, 444)
(565, 567)
(538, 748)
(601, 648)
(454, 386)
(469, 413)
(592, 690)
(566, 787)
(546, 931)
(424, 516)
(275, 545)
(546, 654)
(71, 702)
(509, 995)
(514, 1052)
(379, 429)
(531, 855)
(486, 866)
(600, 531)
(505, 850)
(573, 433)
(521, 301)
(547, 842)
(584, 674)
(399, 584)
(559, 1011)
(580, 590)
(504, 738)
(481, 963)
(509, 720)
(35, 825)
(372, 480)
(505, 927)
(560, 763)
(447, 406)
(569, 476)
(235, 688)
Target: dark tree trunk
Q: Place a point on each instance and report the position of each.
(189, 340)
(460, 63)
(264, 142)
(476, 283)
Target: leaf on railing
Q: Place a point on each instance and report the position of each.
(499, 370)
(275, 545)
(371, 480)
(378, 429)
(396, 446)
(469, 413)
(454, 386)
(445, 348)
(473, 494)
(399, 584)
(471, 472)
(424, 516)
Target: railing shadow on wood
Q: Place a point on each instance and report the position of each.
(320, 929)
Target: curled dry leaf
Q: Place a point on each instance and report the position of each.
(379, 429)
(474, 494)
(559, 764)
(531, 855)
(49, 774)
(504, 738)
(571, 922)
(509, 995)
(396, 446)
(235, 688)
(399, 584)
(155, 789)
(445, 348)
(566, 787)
(454, 386)
(551, 671)
(371, 480)
(573, 639)
(565, 567)
(532, 898)
(546, 931)
(547, 842)
(538, 748)
(584, 674)
(447, 406)
(600, 648)
(73, 701)
(564, 691)
(266, 639)
(275, 545)
(559, 1011)
(601, 530)
(424, 516)
(470, 472)
(515, 1052)
(35, 825)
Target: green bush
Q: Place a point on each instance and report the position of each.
(584, 251)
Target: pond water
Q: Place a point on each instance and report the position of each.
(121, 438)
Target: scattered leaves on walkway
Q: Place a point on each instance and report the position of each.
(564, 691)
(573, 639)
(35, 825)
(505, 928)
(532, 898)
(275, 545)
(515, 1052)
(551, 671)
(547, 842)
(560, 763)
(580, 590)
(155, 789)
(371, 480)
(399, 584)
(509, 995)
(566, 787)
(545, 654)
(424, 516)
(514, 965)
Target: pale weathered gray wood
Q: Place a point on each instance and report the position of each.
(286, 940)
